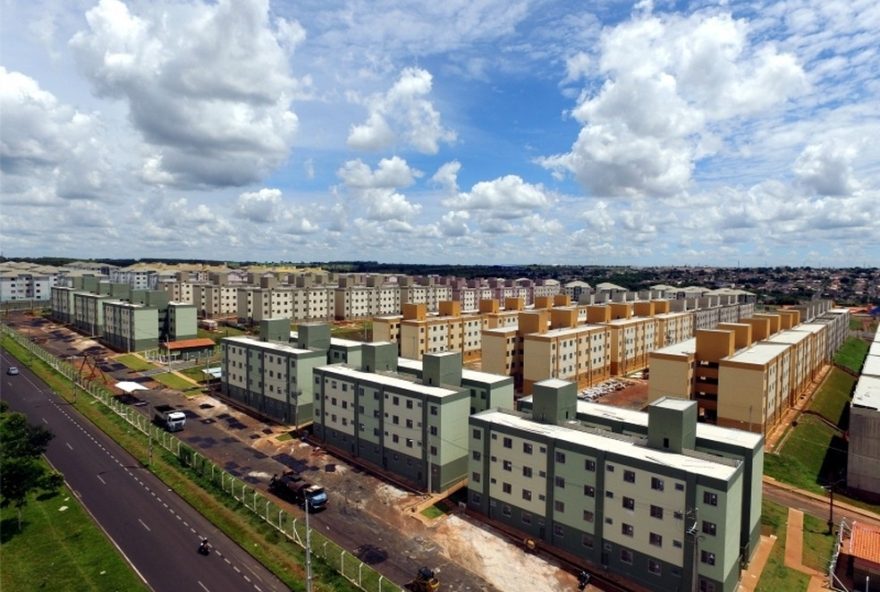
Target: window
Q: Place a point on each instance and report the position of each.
(476, 455)
(626, 529)
(706, 586)
(629, 503)
(409, 423)
(506, 488)
(475, 477)
(654, 567)
(609, 494)
(508, 443)
(610, 468)
(477, 434)
(526, 518)
(433, 430)
(409, 443)
(709, 527)
(559, 481)
(679, 487)
(560, 457)
(587, 541)
(676, 544)
(589, 516)
(395, 438)
(707, 557)
(507, 465)
(409, 404)
(558, 530)
(589, 491)
(559, 506)
(656, 484)
(590, 465)
(710, 498)
(527, 471)
(655, 539)
(505, 509)
(527, 495)
(434, 450)
(629, 476)
(527, 448)
(434, 412)
(657, 512)
(626, 556)
(395, 400)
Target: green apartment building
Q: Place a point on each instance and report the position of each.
(651, 509)
(415, 430)
(130, 327)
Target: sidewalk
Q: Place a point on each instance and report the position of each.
(794, 551)
(750, 577)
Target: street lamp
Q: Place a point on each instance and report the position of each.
(830, 488)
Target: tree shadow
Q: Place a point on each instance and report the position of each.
(9, 529)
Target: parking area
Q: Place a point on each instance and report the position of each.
(373, 519)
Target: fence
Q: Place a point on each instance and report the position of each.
(292, 527)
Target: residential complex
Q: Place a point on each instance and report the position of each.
(651, 508)
(863, 453)
(747, 374)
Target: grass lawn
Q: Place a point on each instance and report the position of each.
(818, 544)
(284, 437)
(134, 362)
(175, 382)
(852, 354)
(59, 548)
(776, 577)
(432, 512)
(194, 373)
(356, 331)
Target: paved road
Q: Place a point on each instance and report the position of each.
(155, 529)
(813, 507)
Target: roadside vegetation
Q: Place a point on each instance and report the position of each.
(59, 548)
(279, 555)
(776, 577)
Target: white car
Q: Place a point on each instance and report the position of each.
(12, 371)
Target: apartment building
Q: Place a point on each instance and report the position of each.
(471, 295)
(450, 330)
(578, 291)
(650, 509)
(746, 375)
(739, 445)
(179, 291)
(387, 328)
(269, 375)
(138, 278)
(863, 453)
(410, 430)
(216, 300)
(130, 327)
(88, 313)
(18, 285)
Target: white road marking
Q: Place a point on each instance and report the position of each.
(101, 480)
(44, 420)
(68, 445)
(144, 525)
(205, 588)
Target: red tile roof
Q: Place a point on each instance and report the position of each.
(864, 542)
(188, 343)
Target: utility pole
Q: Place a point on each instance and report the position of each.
(308, 548)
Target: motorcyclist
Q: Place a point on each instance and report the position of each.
(203, 546)
(583, 580)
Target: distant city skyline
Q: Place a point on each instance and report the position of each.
(469, 131)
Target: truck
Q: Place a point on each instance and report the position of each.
(292, 486)
(171, 420)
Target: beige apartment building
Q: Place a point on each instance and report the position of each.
(449, 331)
(746, 375)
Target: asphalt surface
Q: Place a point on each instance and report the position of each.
(813, 507)
(156, 531)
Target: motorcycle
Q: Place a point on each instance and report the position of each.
(204, 547)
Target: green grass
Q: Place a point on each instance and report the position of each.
(60, 548)
(818, 544)
(175, 382)
(194, 373)
(284, 437)
(852, 354)
(832, 400)
(357, 332)
(776, 577)
(221, 332)
(283, 558)
(432, 512)
(134, 362)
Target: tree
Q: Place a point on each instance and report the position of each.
(21, 446)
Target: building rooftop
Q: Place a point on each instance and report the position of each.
(810, 327)
(388, 379)
(553, 383)
(790, 337)
(682, 348)
(867, 392)
(872, 366)
(564, 331)
(188, 343)
(759, 353)
(614, 444)
(273, 345)
(864, 542)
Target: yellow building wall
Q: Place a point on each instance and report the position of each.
(537, 364)
(742, 398)
(670, 377)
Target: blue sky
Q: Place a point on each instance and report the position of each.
(468, 131)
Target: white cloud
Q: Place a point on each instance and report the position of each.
(447, 176)
(827, 168)
(405, 114)
(505, 197)
(259, 206)
(454, 223)
(391, 172)
(577, 66)
(669, 81)
(207, 85)
(48, 150)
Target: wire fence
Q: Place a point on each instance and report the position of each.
(291, 526)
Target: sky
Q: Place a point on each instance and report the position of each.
(463, 131)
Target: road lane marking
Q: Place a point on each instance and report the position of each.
(101, 480)
(68, 445)
(44, 420)
(144, 525)
(205, 588)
